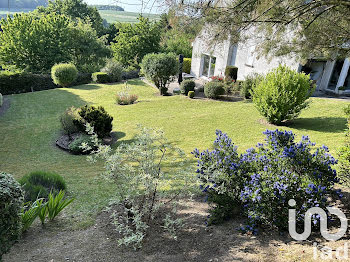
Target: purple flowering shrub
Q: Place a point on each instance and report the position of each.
(261, 181)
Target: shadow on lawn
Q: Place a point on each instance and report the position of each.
(321, 124)
(86, 87)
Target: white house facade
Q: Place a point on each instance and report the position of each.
(210, 59)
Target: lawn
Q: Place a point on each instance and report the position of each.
(29, 128)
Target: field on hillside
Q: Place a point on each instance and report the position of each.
(111, 16)
(124, 17)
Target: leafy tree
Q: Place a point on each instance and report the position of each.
(134, 41)
(75, 9)
(36, 43)
(88, 51)
(307, 28)
(177, 42)
(160, 68)
(111, 31)
(178, 33)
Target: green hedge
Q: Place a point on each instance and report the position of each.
(186, 67)
(15, 83)
(231, 72)
(101, 77)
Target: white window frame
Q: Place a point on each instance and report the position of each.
(209, 68)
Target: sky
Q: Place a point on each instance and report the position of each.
(150, 6)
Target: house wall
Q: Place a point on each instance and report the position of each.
(246, 59)
(203, 45)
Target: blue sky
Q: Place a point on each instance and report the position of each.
(129, 5)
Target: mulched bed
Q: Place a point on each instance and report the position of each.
(196, 241)
(64, 141)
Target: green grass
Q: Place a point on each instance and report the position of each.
(30, 127)
(124, 17)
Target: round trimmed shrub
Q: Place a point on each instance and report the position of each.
(114, 70)
(11, 203)
(39, 184)
(231, 72)
(186, 86)
(97, 117)
(214, 89)
(191, 94)
(160, 68)
(101, 77)
(67, 120)
(64, 74)
(282, 94)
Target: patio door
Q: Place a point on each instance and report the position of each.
(208, 65)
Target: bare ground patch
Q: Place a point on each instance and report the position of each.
(196, 242)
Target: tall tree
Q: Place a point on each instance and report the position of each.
(75, 9)
(36, 43)
(134, 41)
(178, 32)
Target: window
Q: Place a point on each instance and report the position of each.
(250, 57)
(208, 65)
(233, 55)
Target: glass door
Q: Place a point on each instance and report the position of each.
(208, 65)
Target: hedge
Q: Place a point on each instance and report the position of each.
(15, 83)
(101, 77)
(186, 68)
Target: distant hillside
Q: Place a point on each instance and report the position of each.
(113, 16)
(109, 7)
(19, 4)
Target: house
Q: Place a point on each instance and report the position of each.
(210, 58)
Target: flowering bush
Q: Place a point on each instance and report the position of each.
(217, 78)
(124, 97)
(260, 181)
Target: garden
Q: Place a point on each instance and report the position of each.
(102, 160)
(31, 126)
